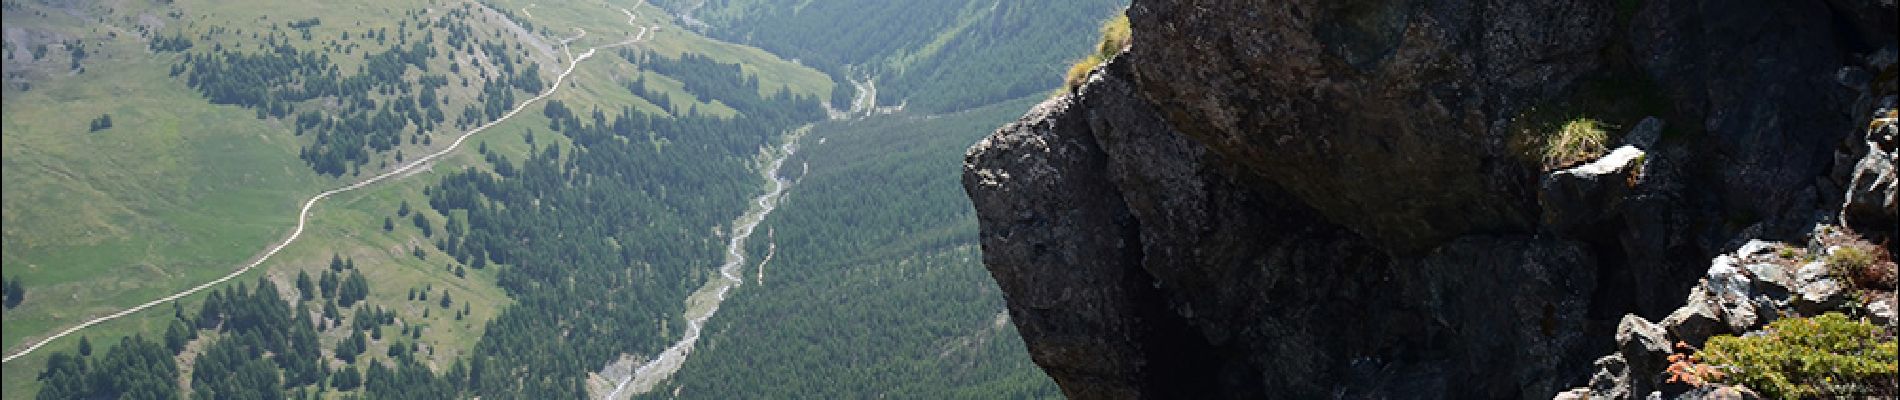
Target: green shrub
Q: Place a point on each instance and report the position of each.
(1115, 37)
(1825, 356)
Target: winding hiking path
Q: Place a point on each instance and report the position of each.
(703, 303)
(303, 215)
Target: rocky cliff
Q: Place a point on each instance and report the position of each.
(1332, 198)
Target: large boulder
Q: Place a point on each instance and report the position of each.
(1644, 347)
(1059, 242)
(1588, 194)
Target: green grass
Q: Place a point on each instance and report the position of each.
(176, 193)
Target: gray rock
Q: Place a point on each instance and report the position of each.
(1645, 348)
(1881, 312)
(1698, 320)
(1732, 291)
(1820, 296)
(1812, 271)
(1612, 379)
(1870, 204)
(1582, 393)
(1645, 134)
(1771, 279)
(1756, 247)
(1588, 194)
(1057, 240)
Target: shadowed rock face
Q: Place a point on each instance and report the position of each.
(1137, 265)
(1386, 116)
(1300, 199)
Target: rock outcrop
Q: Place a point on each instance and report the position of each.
(1316, 198)
(1201, 285)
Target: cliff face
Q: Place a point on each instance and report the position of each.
(1322, 198)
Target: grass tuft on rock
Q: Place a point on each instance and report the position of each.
(1115, 37)
(1579, 140)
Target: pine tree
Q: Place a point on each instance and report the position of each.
(16, 292)
(85, 346)
(305, 289)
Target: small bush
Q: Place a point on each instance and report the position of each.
(1863, 265)
(1825, 356)
(1115, 37)
(1579, 140)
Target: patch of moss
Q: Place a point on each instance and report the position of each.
(1825, 356)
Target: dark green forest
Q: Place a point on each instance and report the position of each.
(875, 287)
(601, 240)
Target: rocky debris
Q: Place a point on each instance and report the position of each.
(1591, 193)
(1741, 292)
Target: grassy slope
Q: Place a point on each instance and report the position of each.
(181, 191)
